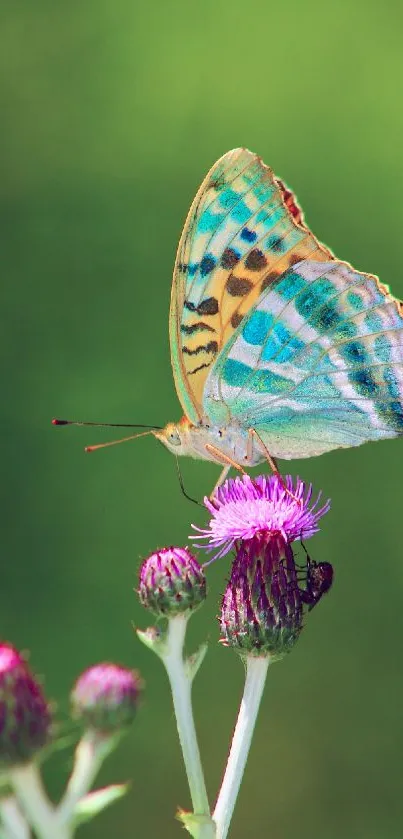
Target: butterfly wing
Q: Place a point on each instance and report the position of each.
(243, 230)
(316, 364)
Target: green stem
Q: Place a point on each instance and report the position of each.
(12, 819)
(91, 751)
(181, 687)
(34, 802)
(256, 671)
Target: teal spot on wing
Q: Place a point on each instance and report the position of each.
(209, 221)
(256, 327)
(314, 388)
(264, 381)
(263, 192)
(392, 414)
(345, 329)
(392, 383)
(228, 198)
(290, 285)
(373, 322)
(326, 317)
(382, 348)
(237, 374)
(291, 349)
(314, 297)
(272, 218)
(281, 344)
(355, 300)
(364, 382)
(353, 352)
(241, 212)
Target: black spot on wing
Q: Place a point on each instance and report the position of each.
(196, 327)
(207, 265)
(256, 260)
(275, 243)
(230, 258)
(196, 369)
(269, 280)
(236, 320)
(209, 306)
(212, 347)
(238, 286)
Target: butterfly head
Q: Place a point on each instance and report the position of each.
(175, 436)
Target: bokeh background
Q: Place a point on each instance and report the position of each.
(111, 114)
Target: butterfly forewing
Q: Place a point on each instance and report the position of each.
(243, 231)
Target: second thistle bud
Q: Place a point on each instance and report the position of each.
(106, 697)
(25, 717)
(171, 582)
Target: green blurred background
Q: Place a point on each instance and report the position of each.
(111, 114)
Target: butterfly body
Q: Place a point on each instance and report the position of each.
(276, 346)
(206, 442)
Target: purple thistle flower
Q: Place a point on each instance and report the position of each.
(106, 697)
(25, 716)
(243, 508)
(262, 606)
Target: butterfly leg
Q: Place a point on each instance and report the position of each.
(271, 461)
(227, 462)
(221, 480)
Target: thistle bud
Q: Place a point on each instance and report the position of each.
(261, 612)
(25, 717)
(106, 697)
(171, 582)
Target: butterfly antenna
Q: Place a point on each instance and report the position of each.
(106, 424)
(150, 430)
(115, 442)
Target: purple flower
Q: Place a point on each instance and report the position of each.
(171, 582)
(25, 717)
(262, 606)
(243, 508)
(106, 696)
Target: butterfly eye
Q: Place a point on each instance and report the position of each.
(174, 437)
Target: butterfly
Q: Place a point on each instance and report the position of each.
(278, 348)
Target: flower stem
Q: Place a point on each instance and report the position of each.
(256, 671)
(12, 819)
(90, 754)
(31, 795)
(181, 686)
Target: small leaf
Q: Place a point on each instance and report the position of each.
(153, 639)
(96, 801)
(194, 821)
(194, 661)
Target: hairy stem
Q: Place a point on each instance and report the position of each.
(90, 754)
(34, 802)
(181, 687)
(12, 819)
(256, 671)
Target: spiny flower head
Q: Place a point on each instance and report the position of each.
(171, 582)
(25, 716)
(242, 508)
(262, 606)
(106, 697)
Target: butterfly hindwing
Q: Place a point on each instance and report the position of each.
(244, 229)
(316, 364)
